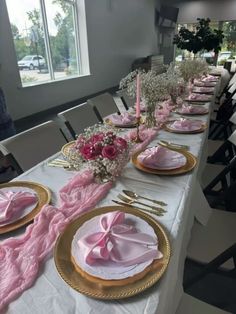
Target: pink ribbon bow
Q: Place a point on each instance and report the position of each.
(12, 202)
(118, 242)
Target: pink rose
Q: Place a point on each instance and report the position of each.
(96, 138)
(109, 151)
(88, 151)
(121, 143)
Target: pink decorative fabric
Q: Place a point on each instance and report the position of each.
(159, 157)
(118, 242)
(20, 258)
(186, 125)
(145, 134)
(11, 203)
(123, 119)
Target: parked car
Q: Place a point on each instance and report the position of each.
(179, 58)
(208, 56)
(31, 62)
(223, 56)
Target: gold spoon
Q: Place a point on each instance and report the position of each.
(131, 201)
(136, 196)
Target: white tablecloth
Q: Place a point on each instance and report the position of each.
(50, 294)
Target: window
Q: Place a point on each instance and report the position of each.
(228, 48)
(46, 38)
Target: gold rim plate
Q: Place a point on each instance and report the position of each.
(200, 101)
(44, 197)
(66, 148)
(190, 164)
(121, 126)
(66, 269)
(193, 114)
(202, 129)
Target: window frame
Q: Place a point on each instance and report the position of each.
(81, 51)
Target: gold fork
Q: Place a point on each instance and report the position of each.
(131, 201)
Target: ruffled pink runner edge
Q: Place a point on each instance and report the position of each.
(21, 258)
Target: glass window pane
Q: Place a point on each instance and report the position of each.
(27, 29)
(61, 28)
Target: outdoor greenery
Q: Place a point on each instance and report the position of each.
(203, 38)
(62, 44)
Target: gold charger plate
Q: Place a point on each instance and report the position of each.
(190, 164)
(44, 197)
(202, 129)
(121, 126)
(65, 148)
(192, 114)
(66, 269)
(200, 101)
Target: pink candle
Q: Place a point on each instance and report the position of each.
(138, 97)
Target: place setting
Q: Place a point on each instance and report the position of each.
(198, 98)
(192, 110)
(93, 258)
(203, 90)
(20, 202)
(185, 126)
(165, 159)
(123, 120)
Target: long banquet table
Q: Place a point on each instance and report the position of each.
(50, 294)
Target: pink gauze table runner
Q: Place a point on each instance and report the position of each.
(20, 258)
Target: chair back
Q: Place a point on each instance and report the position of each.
(34, 145)
(78, 118)
(222, 189)
(103, 105)
(126, 99)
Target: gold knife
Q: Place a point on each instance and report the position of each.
(139, 208)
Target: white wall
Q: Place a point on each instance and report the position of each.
(218, 10)
(118, 32)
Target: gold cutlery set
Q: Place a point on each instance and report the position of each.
(61, 163)
(130, 198)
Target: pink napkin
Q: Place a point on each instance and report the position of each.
(198, 97)
(122, 119)
(210, 78)
(192, 109)
(160, 157)
(118, 242)
(11, 203)
(186, 125)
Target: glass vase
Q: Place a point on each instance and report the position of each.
(150, 117)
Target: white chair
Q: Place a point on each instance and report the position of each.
(191, 305)
(34, 145)
(78, 118)
(218, 150)
(209, 241)
(103, 105)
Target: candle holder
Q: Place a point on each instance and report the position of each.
(138, 139)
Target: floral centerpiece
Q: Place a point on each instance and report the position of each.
(174, 82)
(191, 69)
(101, 150)
(153, 90)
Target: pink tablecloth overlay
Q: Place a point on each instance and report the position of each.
(20, 258)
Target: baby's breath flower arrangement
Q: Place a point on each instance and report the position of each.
(191, 69)
(99, 148)
(153, 90)
(174, 82)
